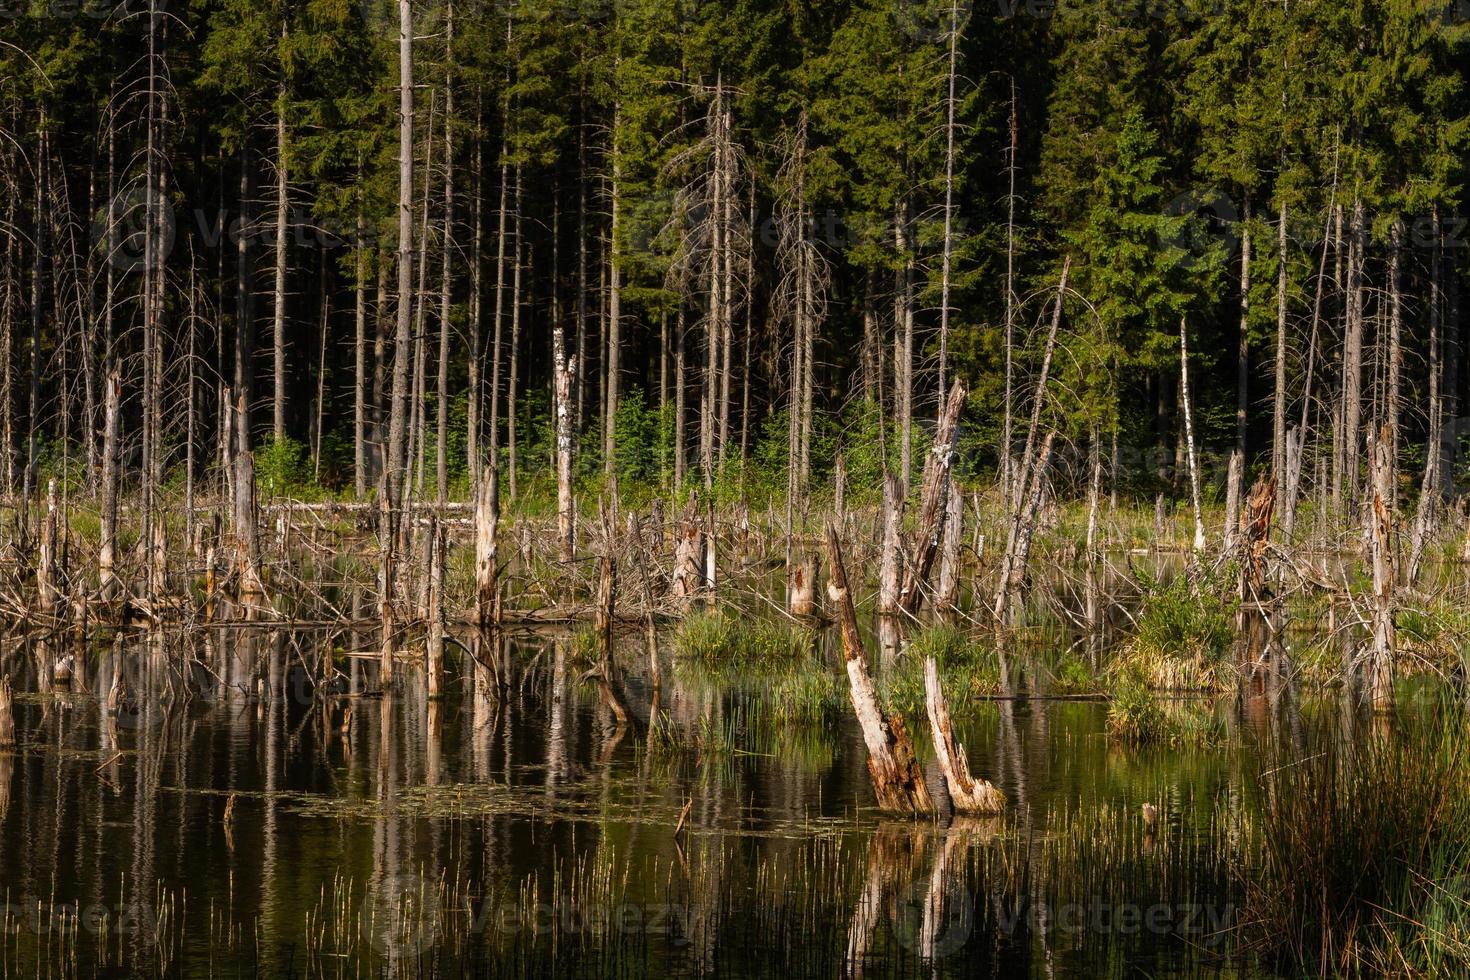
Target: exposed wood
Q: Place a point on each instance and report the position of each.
(968, 794)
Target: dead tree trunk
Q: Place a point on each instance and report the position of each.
(242, 509)
(7, 716)
(1017, 557)
(888, 570)
(898, 780)
(968, 794)
(434, 643)
(47, 582)
(1381, 664)
(107, 550)
(804, 587)
(1199, 521)
(688, 578)
(487, 520)
(947, 596)
(932, 511)
(1255, 589)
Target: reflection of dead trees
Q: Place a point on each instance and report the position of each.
(933, 913)
(898, 780)
(893, 854)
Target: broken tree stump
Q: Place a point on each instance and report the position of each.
(688, 577)
(487, 523)
(804, 587)
(968, 794)
(898, 780)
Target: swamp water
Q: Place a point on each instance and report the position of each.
(231, 822)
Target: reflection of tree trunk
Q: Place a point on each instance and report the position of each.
(893, 852)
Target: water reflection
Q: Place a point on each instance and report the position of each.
(249, 795)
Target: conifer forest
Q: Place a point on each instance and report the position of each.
(813, 488)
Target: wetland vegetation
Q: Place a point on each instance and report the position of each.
(628, 488)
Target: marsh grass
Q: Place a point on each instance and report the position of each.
(1363, 855)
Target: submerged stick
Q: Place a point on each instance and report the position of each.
(898, 781)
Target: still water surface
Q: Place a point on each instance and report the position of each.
(230, 823)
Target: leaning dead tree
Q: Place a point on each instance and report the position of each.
(898, 780)
(938, 485)
(1034, 463)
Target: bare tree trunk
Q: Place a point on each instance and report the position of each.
(1006, 480)
(888, 572)
(359, 366)
(441, 448)
(513, 374)
(278, 318)
(614, 309)
(1199, 520)
(681, 458)
(487, 523)
(434, 643)
(1395, 348)
(1242, 356)
(937, 487)
(903, 348)
(107, 549)
(1352, 362)
(565, 372)
(1381, 666)
(395, 468)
